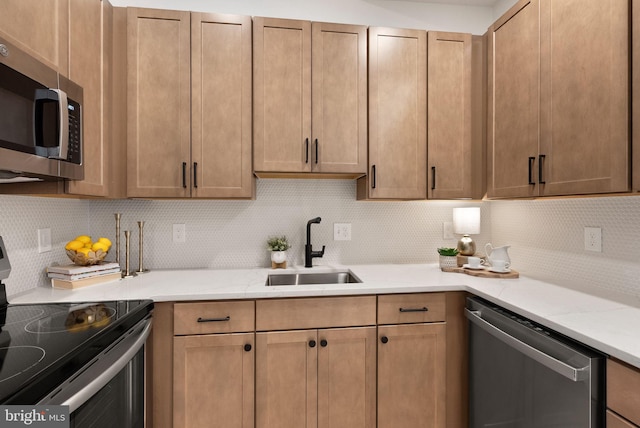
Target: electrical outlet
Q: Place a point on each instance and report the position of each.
(342, 231)
(593, 239)
(447, 230)
(44, 240)
(179, 233)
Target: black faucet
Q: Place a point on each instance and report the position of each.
(309, 254)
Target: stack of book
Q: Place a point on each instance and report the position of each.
(74, 276)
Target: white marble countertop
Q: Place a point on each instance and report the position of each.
(608, 326)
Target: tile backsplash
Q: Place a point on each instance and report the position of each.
(232, 234)
(546, 235)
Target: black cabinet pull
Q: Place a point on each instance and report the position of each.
(433, 178)
(316, 151)
(373, 176)
(312, 344)
(227, 318)
(195, 175)
(323, 343)
(184, 175)
(247, 347)
(532, 159)
(306, 150)
(423, 309)
(540, 159)
(384, 339)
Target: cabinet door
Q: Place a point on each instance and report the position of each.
(159, 112)
(286, 379)
(514, 106)
(635, 97)
(87, 54)
(39, 27)
(584, 122)
(397, 115)
(282, 95)
(221, 106)
(411, 376)
(339, 118)
(615, 421)
(451, 172)
(347, 378)
(213, 381)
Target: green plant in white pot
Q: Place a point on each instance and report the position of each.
(278, 245)
(448, 258)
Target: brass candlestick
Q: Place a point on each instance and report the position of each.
(127, 266)
(118, 215)
(141, 268)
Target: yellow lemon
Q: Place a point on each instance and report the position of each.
(74, 245)
(83, 238)
(84, 251)
(105, 241)
(100, 246)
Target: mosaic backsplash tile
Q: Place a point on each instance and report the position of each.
(546, 236)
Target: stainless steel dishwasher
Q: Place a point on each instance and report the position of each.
(522, 375)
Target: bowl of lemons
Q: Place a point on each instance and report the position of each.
(83, 251)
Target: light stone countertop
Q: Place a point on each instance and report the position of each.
(608, 326)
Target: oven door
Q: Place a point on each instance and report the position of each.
(109, 391)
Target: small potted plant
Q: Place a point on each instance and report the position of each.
(278, 245)
(448, 258)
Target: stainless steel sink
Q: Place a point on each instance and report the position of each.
(342, 277)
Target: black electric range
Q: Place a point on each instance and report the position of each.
(43, 345)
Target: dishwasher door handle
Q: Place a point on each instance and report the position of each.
(572, 373)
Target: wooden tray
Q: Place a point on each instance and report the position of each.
(483, 273)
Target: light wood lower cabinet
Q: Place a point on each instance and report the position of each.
(316, 378)
(615, 421)
(411, 376)
(309, 363)
(623, 384)
(213, 381)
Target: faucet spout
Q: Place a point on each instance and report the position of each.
(309, 254)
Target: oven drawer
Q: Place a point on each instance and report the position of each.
(623, 384)
(213, 317)
(411, 308)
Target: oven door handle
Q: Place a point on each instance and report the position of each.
(102, 370)
(575, 374)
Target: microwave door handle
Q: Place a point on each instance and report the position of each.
(63, 138)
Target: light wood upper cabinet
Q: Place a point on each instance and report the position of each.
(514, 113)
(292, 134)
(159, 98)
(221, 106)
(560, 118)
(455, 164)
(397, 115)
(339, 101)
(282, 95)
(39, 27)
(89, 66)
(635, 96)
(189, 130)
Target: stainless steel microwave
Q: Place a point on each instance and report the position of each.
(40, 120)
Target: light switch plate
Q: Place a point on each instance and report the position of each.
(179, 233)
(44, 240)
(342, 231)
(593, 239)
(447, 230)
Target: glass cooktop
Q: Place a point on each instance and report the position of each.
(43, 345)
